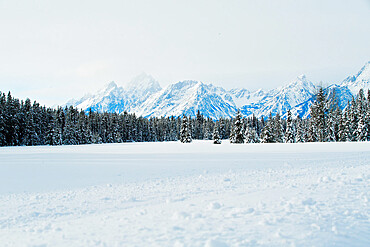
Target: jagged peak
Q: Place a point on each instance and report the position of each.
(111, 84)
(363, 74)
(364, 71)
(108, 87)
(143, 81)
(300, 81)
(185, 83)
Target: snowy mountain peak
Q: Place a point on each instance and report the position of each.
(144, 96)
(359, 81)
(106, 90)
(111, 84)
(143, 82)
(302, 77)
(186, 83)
(364, 73)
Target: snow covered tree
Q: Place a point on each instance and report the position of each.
(318, 118)
(215, 135)
(251, 135)
(222, 130)
(342, 136)
(362, 132)
(198, 128)
(301, 134)
(333, 117)
(277, 129)
(289, 134)
(237, 132)
(207, 129)
(267, 135)
(185, 135)
(353, 120)
(2, 121)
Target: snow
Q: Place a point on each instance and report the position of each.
(197, 194)
(145, 97)
(359, 81)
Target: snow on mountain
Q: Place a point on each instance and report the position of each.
(141, 88)
(187, 97)
(144, 96)
(342, 94)
(359, 81)
(111, 99)
(242, 96)
(282, 99)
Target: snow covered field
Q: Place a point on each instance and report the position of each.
(198, 194)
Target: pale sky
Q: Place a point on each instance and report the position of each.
(52, 51)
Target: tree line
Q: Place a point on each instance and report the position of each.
(23, 123)
(327, 123)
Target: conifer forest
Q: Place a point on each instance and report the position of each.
(23, 123)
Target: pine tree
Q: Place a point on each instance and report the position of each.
(2, 120)
(347, 126)
(362, 131)
(353, 119)
(222, 130)
(185, 135)
(301, 130)
(277, 129)
(312, 132)
(333, 115)
(215, 135)
(238, 135)
(267, 135)
(342, 135)
(289, 135)
(251, 135)
(317, 130)
(198, 130)
(52, 136)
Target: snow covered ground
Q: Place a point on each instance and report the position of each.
(198, 194)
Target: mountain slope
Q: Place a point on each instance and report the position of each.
(358, 81)
(145, 97)
(187, 98)
(282, 99)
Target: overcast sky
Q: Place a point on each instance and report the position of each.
(52, 51)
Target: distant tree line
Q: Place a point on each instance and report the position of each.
(326, 123)
(23, 123)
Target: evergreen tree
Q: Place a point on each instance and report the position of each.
(215, 135)
(185, 135)
(251, 135)
(353, 120)
(2, 120)
(238, 134)
(317, 132)
(289, 135)
(301, 130)
(198, 130)
(267, 135)
(362, 131)
(348, 133)
(342, 135)
(333, 120)
(222, 130)
(277, 129)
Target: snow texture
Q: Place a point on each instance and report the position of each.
(198, 194)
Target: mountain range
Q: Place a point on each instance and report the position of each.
(145, 97)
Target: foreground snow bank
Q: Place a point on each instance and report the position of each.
(173, 194)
